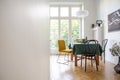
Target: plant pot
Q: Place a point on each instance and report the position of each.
(117, 67)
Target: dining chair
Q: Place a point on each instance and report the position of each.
(90, 52)
(63, 51)
(104, 43)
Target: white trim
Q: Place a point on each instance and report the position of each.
(83, 30)
(65, 18)
(66, 3)
(70, 25)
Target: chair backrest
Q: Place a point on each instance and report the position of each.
(61, 45)
(92, 46)
(104, 43)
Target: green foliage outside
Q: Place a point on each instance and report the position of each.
(64, 31)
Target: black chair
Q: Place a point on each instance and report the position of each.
(104, 43)
(90, 52)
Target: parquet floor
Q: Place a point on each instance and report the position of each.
(70, 72)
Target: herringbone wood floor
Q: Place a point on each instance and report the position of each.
(70, 72)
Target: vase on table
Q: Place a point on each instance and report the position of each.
(117, 67)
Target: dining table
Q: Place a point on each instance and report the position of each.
(80, 48)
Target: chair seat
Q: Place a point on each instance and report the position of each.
(67, 50)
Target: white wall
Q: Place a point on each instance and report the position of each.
(89, 5)
(24, 40)
(104, 8)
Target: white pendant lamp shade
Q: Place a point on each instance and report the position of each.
(82, 13)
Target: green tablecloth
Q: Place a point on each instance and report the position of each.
(81, 48)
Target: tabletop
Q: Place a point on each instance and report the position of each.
(80, 48)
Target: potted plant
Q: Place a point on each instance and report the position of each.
(115, 51)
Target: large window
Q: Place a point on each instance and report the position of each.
(64, 24)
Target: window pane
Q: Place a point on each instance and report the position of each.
(76, 29)
(74, 11)
(64, 11)
(54, 11)
(64, 30)
(53, 33)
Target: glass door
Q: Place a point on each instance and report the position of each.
(64, 24)
(64, 30)
(54, 34)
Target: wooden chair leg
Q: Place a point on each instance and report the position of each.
(96, 63)
(81, 61)
(71, 56)
(91, 61)
(75, 60)
(85, 62)
(97, 59)
(104, 56)
(101, 57)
